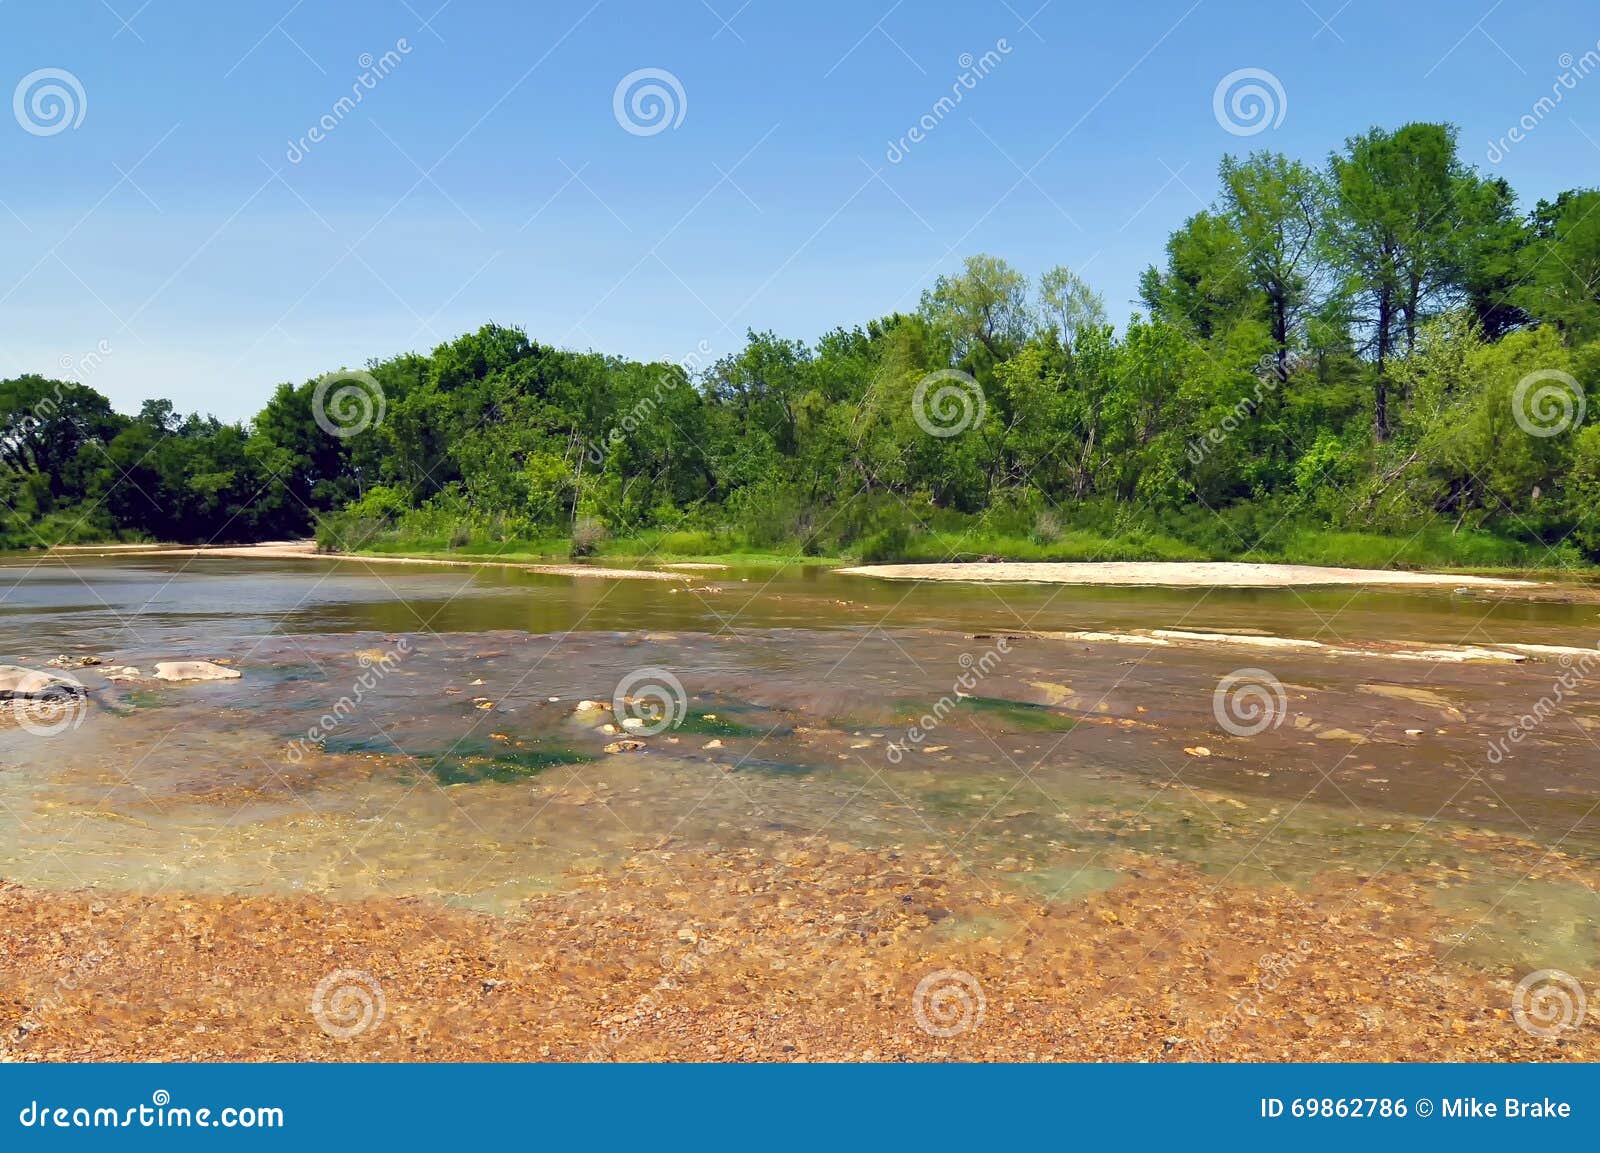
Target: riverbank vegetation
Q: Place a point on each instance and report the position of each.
(1378, 359)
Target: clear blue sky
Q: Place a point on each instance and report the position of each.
(487, 177)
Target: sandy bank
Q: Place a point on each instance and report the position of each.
(307, 550)
(1177, 574)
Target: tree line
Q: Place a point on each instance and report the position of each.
(1380, 347)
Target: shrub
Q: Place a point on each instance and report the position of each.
(587, 537)
(888, 545)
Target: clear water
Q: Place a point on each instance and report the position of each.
(1061, 770)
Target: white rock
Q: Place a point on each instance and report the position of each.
(18, 682)
(193, 671)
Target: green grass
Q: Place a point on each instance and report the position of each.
(1432, 548)
(645, 548)
(1072, 545)
(1248, 535)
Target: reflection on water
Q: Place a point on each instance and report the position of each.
(461, 768)
(125, 603)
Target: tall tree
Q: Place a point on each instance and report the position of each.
(1069, 303)
(1274, 205)
(1205, 288)
(1391, 231)
(1560, 267)
(985, 306)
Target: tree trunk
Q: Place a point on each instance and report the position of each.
(1380, 408)
(1280, 334)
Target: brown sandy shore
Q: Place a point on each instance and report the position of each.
(737, 956)
(307, 550)
(1178, 574)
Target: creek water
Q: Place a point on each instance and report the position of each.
(415, 732)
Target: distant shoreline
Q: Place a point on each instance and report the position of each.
(1150, 574)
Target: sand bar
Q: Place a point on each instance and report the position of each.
(1177, 574)
(307, 550)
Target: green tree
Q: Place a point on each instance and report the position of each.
(1274, 205)
(985, 306)
(1070, 304)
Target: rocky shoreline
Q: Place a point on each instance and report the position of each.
(826, 953)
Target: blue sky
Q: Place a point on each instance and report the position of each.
(166, 244)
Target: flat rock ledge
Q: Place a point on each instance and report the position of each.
(194, 671)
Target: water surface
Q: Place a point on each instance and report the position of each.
(459, 768)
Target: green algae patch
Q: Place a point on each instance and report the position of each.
(467, 762)
(503, 766)
(148, 699)
(1016, 716)
(717, 723)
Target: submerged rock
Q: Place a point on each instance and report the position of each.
(193, 671)
(66, 662)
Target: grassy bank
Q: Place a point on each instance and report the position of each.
(978, 539)
(645, 547)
